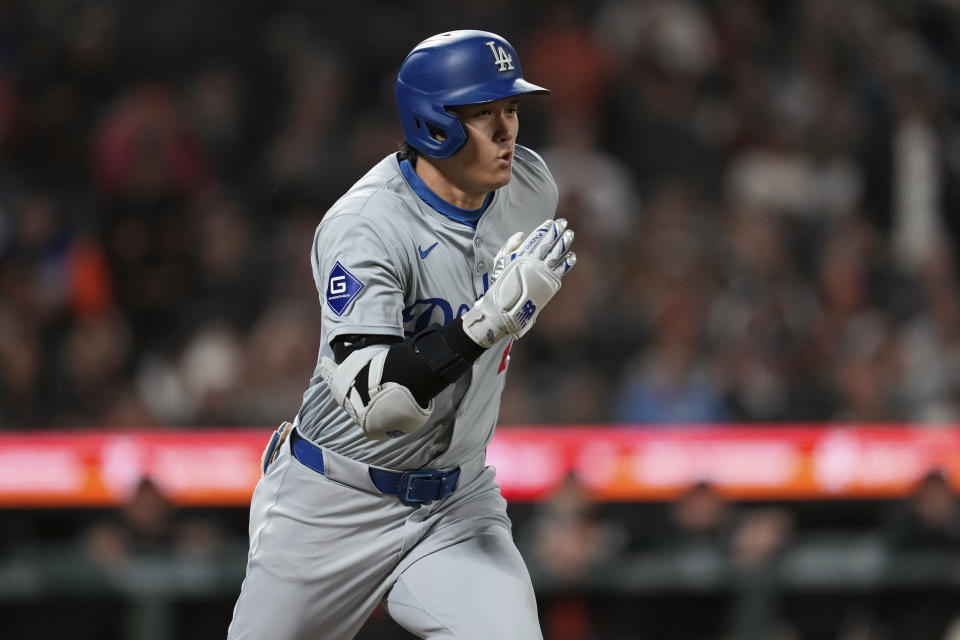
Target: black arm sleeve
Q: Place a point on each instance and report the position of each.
(343, 346)
(425, 363)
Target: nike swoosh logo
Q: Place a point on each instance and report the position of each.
(424, 253)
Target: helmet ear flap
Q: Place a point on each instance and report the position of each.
(426, 124)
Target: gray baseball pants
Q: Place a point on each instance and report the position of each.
(323, 555)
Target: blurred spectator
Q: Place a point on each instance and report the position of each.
(699, 519)
(931, 345)
(215, 108)
(757, 542)
(20, 372)
(671, 384)
(929, 520)
(923, 538)
(708, 539)
(144, 148)
(314, 74)
(93, 360)
(758, 317)
(567, 543)
(605, 195)
(230, 280)
(662, 118)
(581, 82)
(149, 525)
(759, 537)
(867, 371)
(566, 539)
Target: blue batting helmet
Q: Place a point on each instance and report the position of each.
(452, 69)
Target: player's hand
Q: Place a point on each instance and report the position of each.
(507, 254)
(530, 277)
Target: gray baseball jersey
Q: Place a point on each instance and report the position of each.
(327, 548)
(387, 263)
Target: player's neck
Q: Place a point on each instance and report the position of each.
(441, 185)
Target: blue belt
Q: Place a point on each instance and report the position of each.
(413, 487)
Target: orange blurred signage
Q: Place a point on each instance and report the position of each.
(220, 467)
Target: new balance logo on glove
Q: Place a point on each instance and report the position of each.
(526, 312)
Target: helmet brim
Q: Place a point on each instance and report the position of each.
(492, 91)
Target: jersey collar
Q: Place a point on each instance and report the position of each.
(469, 217)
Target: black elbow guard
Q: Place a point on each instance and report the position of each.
(430, 361)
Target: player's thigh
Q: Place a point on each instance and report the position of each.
(270, 606)
(476, 589)
(319, 557)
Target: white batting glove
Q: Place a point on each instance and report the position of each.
(508, 252)
(529, 279)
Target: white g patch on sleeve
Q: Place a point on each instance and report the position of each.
(342, 288)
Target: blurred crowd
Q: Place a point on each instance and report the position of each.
(767, 204)
(707, 568)
(765, 197)
(699, 566)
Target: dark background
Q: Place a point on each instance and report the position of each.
(766, 203)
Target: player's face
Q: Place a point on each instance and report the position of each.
(484, 163)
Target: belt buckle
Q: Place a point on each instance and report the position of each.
(406, 486)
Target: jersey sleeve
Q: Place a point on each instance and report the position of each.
(359, 276)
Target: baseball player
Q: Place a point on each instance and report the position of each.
(427, 268)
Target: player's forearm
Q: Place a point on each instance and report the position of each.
(425, 363)
(430, 361)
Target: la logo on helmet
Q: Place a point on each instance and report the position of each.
(501, 58)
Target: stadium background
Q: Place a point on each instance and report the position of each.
(766, 199)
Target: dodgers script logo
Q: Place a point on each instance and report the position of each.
(501, 58)
(436, 312)
(429, 312)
